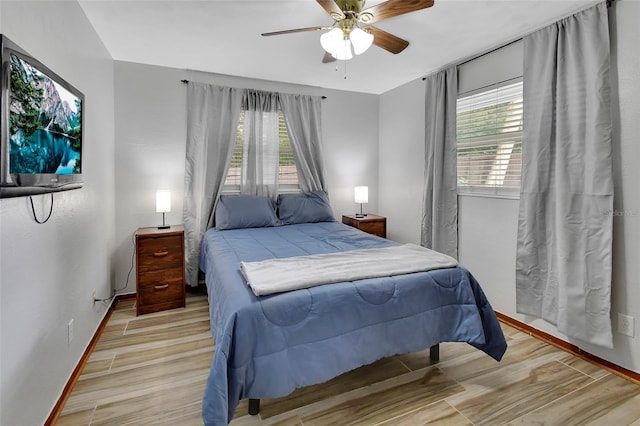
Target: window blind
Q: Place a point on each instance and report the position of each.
(489, 141)
(287, 173)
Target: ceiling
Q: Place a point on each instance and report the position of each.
(224, 37)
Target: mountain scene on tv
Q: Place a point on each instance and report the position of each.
(44, 123)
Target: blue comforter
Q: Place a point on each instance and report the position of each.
(270, 345)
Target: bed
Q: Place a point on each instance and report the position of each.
(269, 345)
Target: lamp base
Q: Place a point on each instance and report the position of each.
(360, 215)
(164, 224)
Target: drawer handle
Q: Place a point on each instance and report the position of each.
(160, 253)
(161, 286)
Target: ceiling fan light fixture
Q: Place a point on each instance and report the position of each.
(331, 40)
(343, 52)
(345, 37)
(361, 40)
(334, 43)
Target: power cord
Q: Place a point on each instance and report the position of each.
(115, 291)
(33, 210)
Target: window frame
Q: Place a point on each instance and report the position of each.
(497, 191)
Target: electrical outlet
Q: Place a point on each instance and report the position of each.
(626, 325)
(70, 331)
(93, 298)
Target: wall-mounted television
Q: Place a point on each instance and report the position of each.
(41, 125)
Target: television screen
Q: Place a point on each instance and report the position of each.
(42, 124)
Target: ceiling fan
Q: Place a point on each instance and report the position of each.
(352, 30)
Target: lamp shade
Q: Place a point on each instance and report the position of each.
(163, 201)
(335, 43)
(331, 39)
(361, 194)
(361, 40)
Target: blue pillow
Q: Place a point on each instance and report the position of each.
(245, 211)
(305, 207)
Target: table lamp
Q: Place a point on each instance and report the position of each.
(163, 205)
(361, 196)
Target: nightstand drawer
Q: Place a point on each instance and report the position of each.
(161, 276)
(162, 291)
(375, 228)
(160, 253)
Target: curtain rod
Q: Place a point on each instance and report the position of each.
(491, 50)
(186, 81)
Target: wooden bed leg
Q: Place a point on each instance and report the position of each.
(434, 353)
(254, 406)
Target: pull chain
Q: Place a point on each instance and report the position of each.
(345, 68)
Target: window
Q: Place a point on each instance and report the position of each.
(489, 133)
(287, 172)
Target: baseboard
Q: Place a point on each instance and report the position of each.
(568, 347)
(57, 409)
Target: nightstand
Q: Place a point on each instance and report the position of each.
(160, 276)
(371, 223)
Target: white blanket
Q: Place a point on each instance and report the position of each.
(292, 273)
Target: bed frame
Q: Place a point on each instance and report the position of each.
(254, 404)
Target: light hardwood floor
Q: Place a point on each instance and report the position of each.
(152, 370)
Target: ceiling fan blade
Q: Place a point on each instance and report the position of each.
(296, 30)
(392, 8)
(387, 41)
(327, 58)
(331, 8)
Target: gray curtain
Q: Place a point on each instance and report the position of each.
(563, 261)
(212, 119)
(302, 115)
(440, 201)
(261, 140)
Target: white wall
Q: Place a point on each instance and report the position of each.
(402, 160)
(626, 128)
(487, 227)
(48, 272)
(350, 135)
(150, 104)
